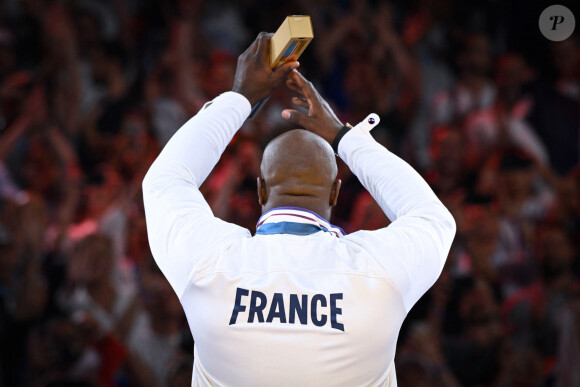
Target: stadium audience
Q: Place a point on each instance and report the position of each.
(91, 91)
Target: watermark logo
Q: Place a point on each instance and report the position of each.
(557, 23)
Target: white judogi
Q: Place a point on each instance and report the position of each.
(297, 304)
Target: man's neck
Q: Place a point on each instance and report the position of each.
(311, 203)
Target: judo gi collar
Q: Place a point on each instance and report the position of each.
(294, 220)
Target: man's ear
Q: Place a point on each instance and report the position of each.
(334, 193)
(262, 194)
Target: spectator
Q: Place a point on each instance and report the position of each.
(473, 356)
(96, 293)
(474, 89)
(156, 334)
(23, 296)
(450, 162)
(533, 316)
(502, 124)
(556, 111)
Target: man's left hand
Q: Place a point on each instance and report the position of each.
(254, 77)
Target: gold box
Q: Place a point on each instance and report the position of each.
(291, 39)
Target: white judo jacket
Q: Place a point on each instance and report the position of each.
(299, 303)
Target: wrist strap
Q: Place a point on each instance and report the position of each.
(344, 130)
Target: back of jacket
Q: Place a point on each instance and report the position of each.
(294, 310)
(299, 303)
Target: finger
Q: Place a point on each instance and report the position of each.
(295, 78)
(300, 102)
(293, 86)
(263, 45)
(254, 48)
(294, 116)
(255, 45)
(306, 86)
(283, 71)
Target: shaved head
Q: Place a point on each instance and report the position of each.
(299, 169)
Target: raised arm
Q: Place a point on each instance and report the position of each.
(181, 227)
(414, 247)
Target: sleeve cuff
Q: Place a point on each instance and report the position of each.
(361, 132)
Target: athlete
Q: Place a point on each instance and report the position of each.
(299, 302)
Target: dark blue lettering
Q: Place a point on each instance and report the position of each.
(238, 307)
(313, 312)
(298, 309)
(257, 308)
(277, 309)
(334, 310)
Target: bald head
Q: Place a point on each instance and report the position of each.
(299, 169)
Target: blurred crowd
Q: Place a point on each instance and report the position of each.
(471, 95)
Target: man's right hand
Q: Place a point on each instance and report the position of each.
(321, 119)
(254, 78)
